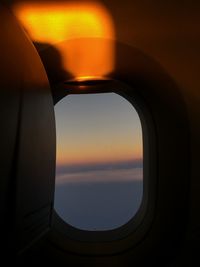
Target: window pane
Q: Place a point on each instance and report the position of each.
(99, 173)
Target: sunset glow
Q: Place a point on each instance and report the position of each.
(99, 163)
(90, 153)
(97, 129)
(79, 30)
(93, 155)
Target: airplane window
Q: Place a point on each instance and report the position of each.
(99, 168)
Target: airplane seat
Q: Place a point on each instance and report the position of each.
(27, 139)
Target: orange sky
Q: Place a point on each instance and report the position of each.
(97, 129)
(91, 154)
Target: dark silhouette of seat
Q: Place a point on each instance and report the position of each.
(27, 139)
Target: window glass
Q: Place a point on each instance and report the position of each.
(99, 168)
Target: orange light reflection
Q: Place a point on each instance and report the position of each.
(69, 27)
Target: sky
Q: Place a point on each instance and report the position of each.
(99, 170)
(97, 129)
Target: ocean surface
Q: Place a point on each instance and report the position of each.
(100, 199)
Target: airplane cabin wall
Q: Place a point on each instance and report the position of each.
(169, 32)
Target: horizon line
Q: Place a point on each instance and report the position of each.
(98, 166)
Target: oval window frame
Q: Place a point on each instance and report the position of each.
(70, 238)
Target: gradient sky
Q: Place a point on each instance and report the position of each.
(99, 168)
(97, 128)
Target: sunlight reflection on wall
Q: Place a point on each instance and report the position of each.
(67, 27)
